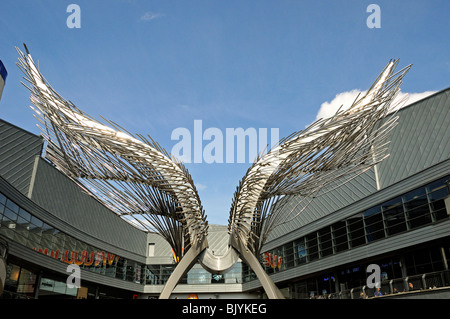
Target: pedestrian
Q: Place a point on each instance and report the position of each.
(378, 293)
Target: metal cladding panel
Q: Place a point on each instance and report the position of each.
(218, 238)
(63, 198)
(352, 191)
(384, 246)
(18, 149)
(420, 140)
(162, 247)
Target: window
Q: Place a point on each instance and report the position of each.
(198, 275)
(21, 231)
(394, 216)
(24, 214)
(69, 243)
(7, 225)
(9, 214)
(340, 236)
(437, 192)
(47, 237)
(300, 251)
(2, 199)
(288, 260)
(423, 261)
(151, 249)
(311, 247)
(12, 206)
(24, 228)
(326, 247)
(131, 271)
(417, 209)
(356, 230)
(59, 239)
(373, 220)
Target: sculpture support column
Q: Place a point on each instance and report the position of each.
(269, 286)
(193, 255)
(183, 267)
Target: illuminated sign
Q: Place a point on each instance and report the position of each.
(175, 257)
(93, 258)
(273, 261)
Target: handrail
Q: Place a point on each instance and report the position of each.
(420, 283)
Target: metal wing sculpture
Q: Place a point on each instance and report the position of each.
(132, 176)
(137, 179)
(308, 163)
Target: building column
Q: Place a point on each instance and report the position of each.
(336, 283)
(444, 258)
(37, 285)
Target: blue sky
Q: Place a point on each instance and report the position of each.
(154, 66)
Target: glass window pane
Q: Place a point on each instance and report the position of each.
(412, 196)
(80, 246)
(2, 199)
(437, 204)
(34, 240)
(21, 230)
(9, 214)
(326, 247)
(438, 184)
(300, 251)
(312, 249)
(36, 221)
(356, 230)
(395, 221)
(69, 243)
(7, 227)
(373, 221)
(20, 234)
(59, 239)
(24, 214)
(419, 216)
(340, 236)
(288, 259)
(438, 194)
(12, 206)
(47, 237)
(394, 216)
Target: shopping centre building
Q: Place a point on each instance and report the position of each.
(395, 215)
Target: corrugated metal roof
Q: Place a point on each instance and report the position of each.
(420, 140)
(56, 193)
(218, 239)
(18, 148)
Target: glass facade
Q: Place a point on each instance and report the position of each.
(22, 227)
(417, 208)
(423, 267)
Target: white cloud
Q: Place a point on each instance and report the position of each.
(345, 99)
(148, 16)
(200, 186)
